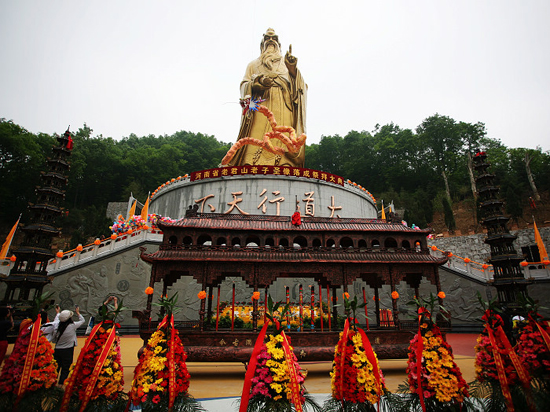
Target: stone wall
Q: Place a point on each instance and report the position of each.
(474, 247)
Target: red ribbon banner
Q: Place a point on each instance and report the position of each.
(373, 361)
(171, 366)
(245, 397)
(29, 360)
(294, 385)
(76, 371)
(97, 368)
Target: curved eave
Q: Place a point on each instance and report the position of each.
(232, 255)
(283, 223)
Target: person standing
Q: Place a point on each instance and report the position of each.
(65, 340)
(5, 325)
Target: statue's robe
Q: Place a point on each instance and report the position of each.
(287, 100)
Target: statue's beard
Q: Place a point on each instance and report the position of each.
(270, 54)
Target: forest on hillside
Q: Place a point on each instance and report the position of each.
(423, 170)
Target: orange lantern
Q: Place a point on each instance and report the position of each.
(434, 248)
(485, 266)
(546, 262)
(59, 254)
(346, 295)
(97, 242)
(256, 295)
(145, 227)
(395, 295)
(450, 254)
(467, 260)
(149, 290)
(524, 263)
(441, 295)
(79, 248)
(201, 295)
(13, 258)
(113, 236)
(172, 180)
(130, 231)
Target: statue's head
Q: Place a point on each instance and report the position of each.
(269, 37)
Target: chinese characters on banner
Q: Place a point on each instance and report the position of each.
(267, 170)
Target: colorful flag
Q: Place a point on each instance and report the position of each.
(145, 210)
(542, 250)
(383, 212)
(7, 243)
(132, 210)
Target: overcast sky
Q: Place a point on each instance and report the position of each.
(156, 67)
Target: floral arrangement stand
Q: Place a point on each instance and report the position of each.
(357, 382)
(161, 379)
(274, 380)
(435, 382)
(515, 378)
(27, 380)
(96, 379)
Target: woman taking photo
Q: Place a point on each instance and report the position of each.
(65, 340)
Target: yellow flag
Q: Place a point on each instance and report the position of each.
(542, 250)
(145, 210)
(132, 210)
(383, 213)
(7, 243)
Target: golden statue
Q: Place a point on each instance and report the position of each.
(277, 83)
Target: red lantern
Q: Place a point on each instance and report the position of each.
(485, 266)
(546, 262)
(450, 254)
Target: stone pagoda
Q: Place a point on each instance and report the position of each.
(29, 275)
(508, 276)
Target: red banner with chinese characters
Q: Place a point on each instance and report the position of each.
(267, 170)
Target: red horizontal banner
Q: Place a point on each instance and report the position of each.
(267, 170)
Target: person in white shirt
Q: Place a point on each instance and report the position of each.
(65, 340)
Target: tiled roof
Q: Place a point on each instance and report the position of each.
(289, 255)
(283, 223)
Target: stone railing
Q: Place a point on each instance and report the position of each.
(484, 272)
(101, 248)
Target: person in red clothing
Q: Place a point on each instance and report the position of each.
(5, 325)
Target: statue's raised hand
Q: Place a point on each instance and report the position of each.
(291, 62)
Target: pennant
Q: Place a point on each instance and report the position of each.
(145, 210)
(383, 212)
(540, 244)
(9, 238)
(132, 210)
